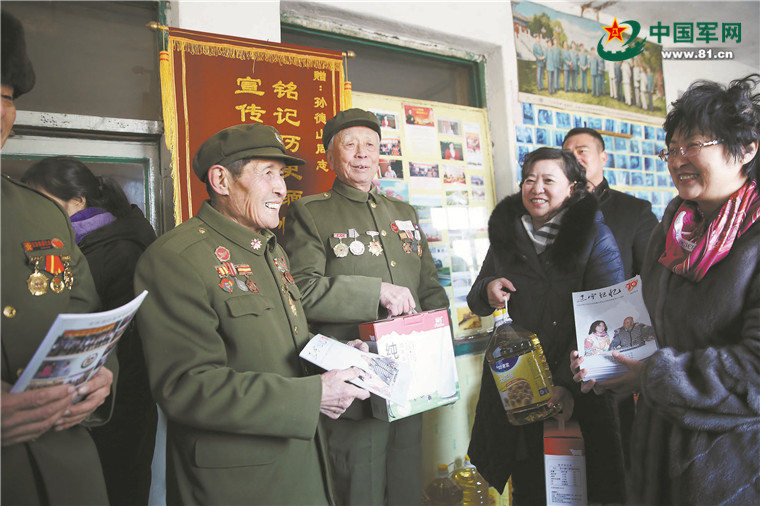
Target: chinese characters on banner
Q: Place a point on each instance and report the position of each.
(210, 82)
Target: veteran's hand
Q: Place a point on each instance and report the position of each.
(28, 415)
(499, 291)
(94, 392)
(564, 398)
(337, 393)
(396, 299)
(359, 345)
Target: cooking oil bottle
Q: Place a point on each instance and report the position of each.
(443, 490)
(520, 370)
(474, 486)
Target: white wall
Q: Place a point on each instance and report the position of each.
(252, 19)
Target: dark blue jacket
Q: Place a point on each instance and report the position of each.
(584, 256)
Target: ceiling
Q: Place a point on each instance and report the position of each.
(649, 13)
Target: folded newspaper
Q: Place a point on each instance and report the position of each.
(383, 376)
(612, 319)
(76, 347)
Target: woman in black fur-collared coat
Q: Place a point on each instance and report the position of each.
(547, 241)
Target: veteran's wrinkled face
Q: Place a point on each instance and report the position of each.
(354, 155)
(628, 323)
(7, 113)
(256, 194)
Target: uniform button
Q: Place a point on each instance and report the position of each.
(19, 372)
(383, 233)
(555, 323)
(295, 329)
(201, 230)
(372, 205)
(9, 311)
(393, 263)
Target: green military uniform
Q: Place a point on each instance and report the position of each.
(339, 292)
(221, 328)
(58, 467)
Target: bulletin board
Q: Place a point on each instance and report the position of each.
(437, 157)
(632, 146)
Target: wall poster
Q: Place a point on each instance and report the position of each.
(437, 157)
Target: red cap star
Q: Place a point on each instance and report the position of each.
(615, 31)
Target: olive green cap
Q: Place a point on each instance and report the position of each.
(240, 142)
(348, 119)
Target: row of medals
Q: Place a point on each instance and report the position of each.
(228, 269)
(56, 265)
(410, 241)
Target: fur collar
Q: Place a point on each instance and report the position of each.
(575, 233)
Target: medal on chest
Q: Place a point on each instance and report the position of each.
(356, 247)
(340, 249)
(374, 244)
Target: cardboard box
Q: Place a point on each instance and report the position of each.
(564, 464)
(422, 340)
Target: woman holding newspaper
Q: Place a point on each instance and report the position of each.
(698, 422)
(546, 242)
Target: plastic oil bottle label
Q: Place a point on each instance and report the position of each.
(519, 381)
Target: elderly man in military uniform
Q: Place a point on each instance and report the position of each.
(222, 327)
(48, 457)
(358, 255)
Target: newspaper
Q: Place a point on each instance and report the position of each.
(76, 347)
(383, 376)
(612, 319)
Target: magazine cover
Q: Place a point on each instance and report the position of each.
(382, 376)
(612, 319)
(76, 346)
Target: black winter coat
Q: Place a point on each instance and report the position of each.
(583, 256)
(126, 443)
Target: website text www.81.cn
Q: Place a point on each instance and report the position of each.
(697, 54)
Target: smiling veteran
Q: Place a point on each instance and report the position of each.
(222, 328)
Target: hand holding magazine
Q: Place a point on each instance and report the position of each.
(612, 319)
(382, 376)
(76, 347)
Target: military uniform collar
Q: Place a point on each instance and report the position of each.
(235, 232)
(352, 193)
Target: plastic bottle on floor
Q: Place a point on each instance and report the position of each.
(443, 490)
(474, 486)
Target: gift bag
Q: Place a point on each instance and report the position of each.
(423, 340)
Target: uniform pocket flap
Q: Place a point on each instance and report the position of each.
(255, 304)
(237, 451)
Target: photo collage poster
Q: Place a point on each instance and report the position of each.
(632, 166)
(437, 157)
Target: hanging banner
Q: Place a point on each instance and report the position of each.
(210, 82)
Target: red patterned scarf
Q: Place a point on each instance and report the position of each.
(692, 245)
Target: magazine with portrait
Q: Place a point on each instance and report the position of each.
(76, 346)
(610, 319)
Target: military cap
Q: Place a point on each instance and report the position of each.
(17, 70)
(348, 119)
(240, 142)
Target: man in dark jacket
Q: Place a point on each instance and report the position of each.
(630, 219)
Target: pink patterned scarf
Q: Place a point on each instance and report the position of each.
(692, 245)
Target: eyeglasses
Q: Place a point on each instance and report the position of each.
(689, 151)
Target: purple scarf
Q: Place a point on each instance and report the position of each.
(90, 219)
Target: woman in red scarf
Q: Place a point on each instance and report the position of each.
(696, 437)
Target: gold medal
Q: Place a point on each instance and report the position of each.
(374, 246)
(37, 281)
(57, 285)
